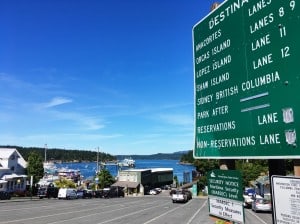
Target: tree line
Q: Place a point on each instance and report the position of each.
(251, 169)
(64, 155)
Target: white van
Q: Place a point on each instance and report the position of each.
(67, 193)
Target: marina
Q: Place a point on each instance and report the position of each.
(88, 169)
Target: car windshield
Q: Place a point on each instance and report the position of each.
(262, 201)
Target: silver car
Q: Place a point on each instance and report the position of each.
(261, 204)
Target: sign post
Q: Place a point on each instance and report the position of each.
(246, 71)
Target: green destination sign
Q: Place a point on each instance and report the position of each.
(225, 184)
(247, 80)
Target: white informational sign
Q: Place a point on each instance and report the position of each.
(226, 209)
(286, 199)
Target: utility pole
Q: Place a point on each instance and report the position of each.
(97, 160)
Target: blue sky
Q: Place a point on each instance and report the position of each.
(113, 74)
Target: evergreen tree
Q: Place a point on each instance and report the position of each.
(105, 178)
(35, 166)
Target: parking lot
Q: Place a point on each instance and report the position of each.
(154, 209)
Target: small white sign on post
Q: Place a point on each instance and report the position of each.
(227, 209)
(286, 199)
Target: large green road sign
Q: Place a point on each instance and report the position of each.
(247, 80)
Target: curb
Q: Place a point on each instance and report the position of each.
(20, 199)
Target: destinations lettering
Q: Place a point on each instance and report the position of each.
(209, 40)
(221, 47)
(222, 62)
(202, 86)
(233, 90)
(261, 81)
(231, 9)
(219, 79)
(203, 71)
(202, 57)
(205, 99)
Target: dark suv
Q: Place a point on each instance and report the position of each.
(49, 191)
(113, 192)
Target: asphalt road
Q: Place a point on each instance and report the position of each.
(156, 209)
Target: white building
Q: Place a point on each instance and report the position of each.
(140, 181)
(12, 170)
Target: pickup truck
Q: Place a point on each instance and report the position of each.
(179, 196)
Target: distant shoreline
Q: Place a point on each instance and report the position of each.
(186, 163)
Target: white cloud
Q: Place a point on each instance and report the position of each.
(176, 119)
(57, 101)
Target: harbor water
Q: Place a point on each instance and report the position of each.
(88, 169)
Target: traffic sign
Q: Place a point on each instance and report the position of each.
(247, 77)
(286, 199)
(226, 195)
(227, 209)
(225, 184)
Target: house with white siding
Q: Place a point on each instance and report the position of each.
(12, 170)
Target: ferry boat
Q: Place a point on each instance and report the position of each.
(127, 162)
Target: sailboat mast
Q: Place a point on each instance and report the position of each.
(45, 153)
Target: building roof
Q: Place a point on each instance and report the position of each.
(152, 170)
(12, 176)
(136, 170)
(2, 181)
(5, 153)
(161, 169)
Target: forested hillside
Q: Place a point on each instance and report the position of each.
(64, 155)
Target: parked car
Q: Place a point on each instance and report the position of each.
(113, 192)
(98, 193)
(172, 191)
(261, 204)
(249, 196)
(67, 193)
(84, 193)
(179, 196)
(188, 193)
(49, 191)
(158, 190)
(4, 195)
(153, 192)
